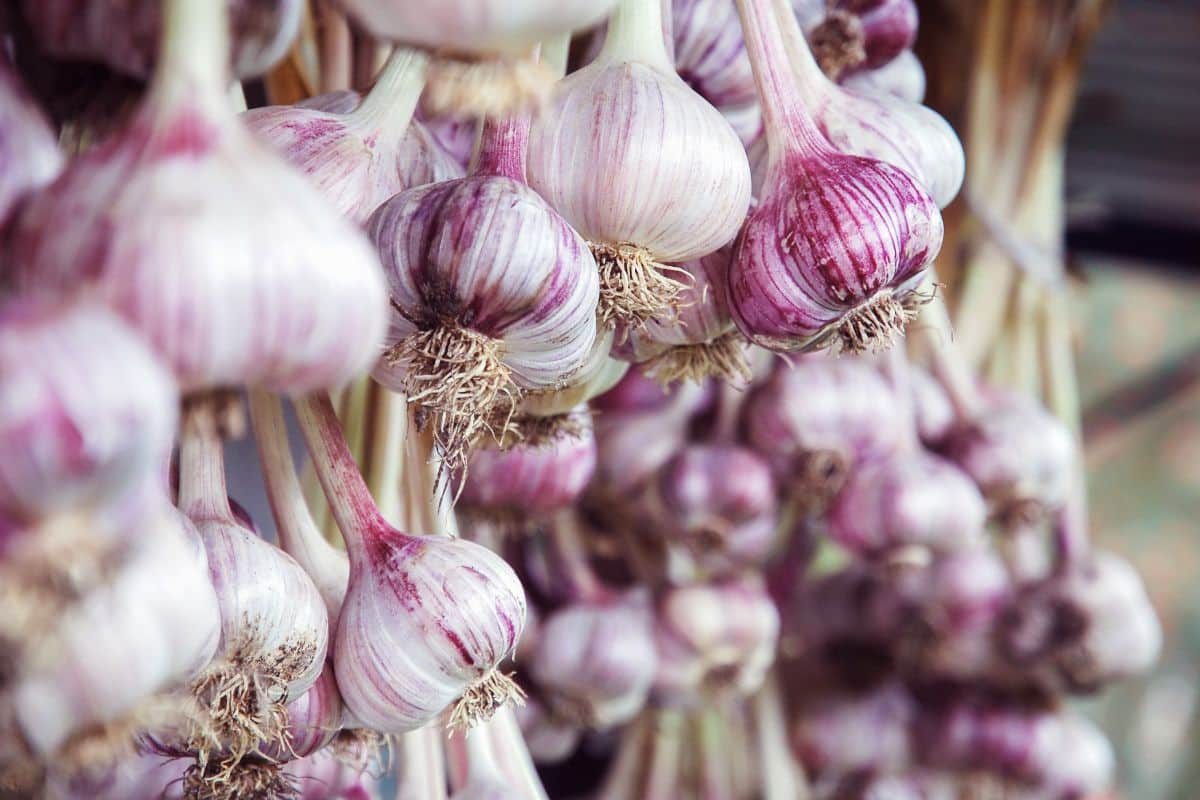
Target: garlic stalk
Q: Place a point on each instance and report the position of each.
(676, 183)
(426, 619)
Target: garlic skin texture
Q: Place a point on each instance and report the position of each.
(598, 374)
(903, 77)
(313, 720)
(913, 498)
(155, 624)
(87, 412)
(228, 262)
(327, 775)
(424, 619)
(676, 179)
(29, 152)
(475, 26)
(124, 36)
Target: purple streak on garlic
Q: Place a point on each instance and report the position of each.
(698, 339)
(274, 625)
(676, 182)
(837, 733)
(819, 418)
(533, 477)
(426, 619)
(837, 246)
(228, 262)
(710, 53)
(29, 154)
(595, 659)
(908, 499)
(87, 413)
(858, 35)
(125, 36)
(719, 502)
(155, 624)
(713, 639)
(903, 77)
(492, 292)
(361, 157)
(1022, 457)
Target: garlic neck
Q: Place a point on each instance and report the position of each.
(388, 108)
(202, 493)
(194, 50)
(635, 33)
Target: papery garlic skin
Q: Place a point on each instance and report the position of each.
(87, 412)
(475, 26)
(226, 261)
(425, 617)
(125, 35)
(153, 626)
(29, 154)
(903, 77)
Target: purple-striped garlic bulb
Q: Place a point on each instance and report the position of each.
(676, 183)
(274, 624)
(1023, 458)
(543, 473)
(359, 157)
(713, 639)
(126, 35)
(710, 53)
(836, 248)
(903, 77)
(29, 154)
(87, 413)
(696, 340)
(426, 620)
(599, 373)
(313, 720)
(475, 772)
(229, 263)
(838, 733)
(961, 603)
(595, 659)
(819, 418)
(718, 502)
(860, 35)
(493, 294)
(153, 625)
(909, 499)
(550, 739)
(482, 67)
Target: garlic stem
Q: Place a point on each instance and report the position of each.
(948, 364)
(715, 778)
(899, 375)
(508, 747)
(635, 33)
(421, 764)
(297, 530)
(503, 147)
(195, 49)
(570, 559)
(388, 107)
(202, 493)
(781, 775)
(663, 771)
(789, 126)
(353, 508)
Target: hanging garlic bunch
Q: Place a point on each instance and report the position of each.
(492, 293)
(359, 157)
(482, 69)
(426, 619)
(835, 250)
(676, 181)
(230, 264)
(274, 625)
(28, 150)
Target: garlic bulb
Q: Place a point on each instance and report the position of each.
(474, 771)
(908, 499)
(903, 77)
(932, 409)
(230, 264)
(835, 250)
(710, 53)
(426, 619)
(313, 720)
(964, 595)
(858, 35)
(493, 294)
(328, 775)
(274, 625)
(125, 35)
(598, 374)
(837, 733)
(676, 183)
(358, 159)
(595, 660)
(155, 624)
(28, 149)
(87, 413)
(697, 340)
(537, 476)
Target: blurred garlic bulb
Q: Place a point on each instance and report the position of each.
(29, 154)
(87, 413)
(230, 264)
(125, 35)
(837, 733)
(154, 625)
(676, 183)
(550, 739)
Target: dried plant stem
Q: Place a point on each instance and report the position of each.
(782, 777)
(420, 764)
(663, 767)
(490, 88)
(333, 46)
(513, 757)
(623, 778)
(716, 781)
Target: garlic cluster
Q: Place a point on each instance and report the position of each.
(227, 262)
(676, 185)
